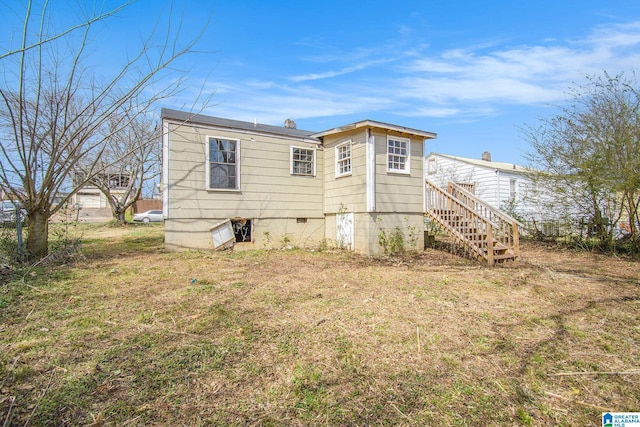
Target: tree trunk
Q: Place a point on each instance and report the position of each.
(634, 219)
(601, 228)
(119, 215)
(38, 238)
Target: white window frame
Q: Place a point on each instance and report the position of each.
(208, 163)
(292, 161)
(398, 156)
(339, 161)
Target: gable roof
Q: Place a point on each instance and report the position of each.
(501, 166)
(380, 125)
(185, 117)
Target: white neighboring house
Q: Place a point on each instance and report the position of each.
(504, 186)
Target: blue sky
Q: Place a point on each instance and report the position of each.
(471, 71)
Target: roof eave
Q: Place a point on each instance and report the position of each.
(380, 125)
(502, 166)
(181, 118)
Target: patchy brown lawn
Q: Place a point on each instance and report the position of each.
(131, 335)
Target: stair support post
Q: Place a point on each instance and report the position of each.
(482, 230)
(516, 239)
(490, 244)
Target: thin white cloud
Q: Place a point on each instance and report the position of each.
(445, 91)
(621, 35)
(347, 70)
(522, 75)
(336, 54)
(281, 101)
(462, 113)
(432, 112)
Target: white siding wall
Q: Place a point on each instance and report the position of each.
(491, 184)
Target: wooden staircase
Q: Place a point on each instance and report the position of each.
(483, 232)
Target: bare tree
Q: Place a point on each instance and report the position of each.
(131, 157)
(55, 114)
(589, 155)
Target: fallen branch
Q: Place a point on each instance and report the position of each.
(44, 392)
(580, 402)
(12, 399)
(399, 411)
(566, 374)
(182, 333)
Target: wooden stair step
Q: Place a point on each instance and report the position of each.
(504, 257)
(499, 248)
(460, 218)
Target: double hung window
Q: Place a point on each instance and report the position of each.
(432, 166)
(343, 159)
(398, 155)
(303, 161)
(513, 189)
(223, 164)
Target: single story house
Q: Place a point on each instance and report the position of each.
(279, 185)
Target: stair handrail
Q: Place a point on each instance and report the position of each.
(510, 235)
(463, 204)
(476, 199)
(444, 196)
(499, 226)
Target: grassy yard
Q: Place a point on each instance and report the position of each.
(131, 335)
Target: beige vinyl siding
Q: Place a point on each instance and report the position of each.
(287, 209)
(399, 197)
(399, 192)
(345, 192)
(365, 236)
(368, 226)
(267, 189)
(330, 228)
(362, 230)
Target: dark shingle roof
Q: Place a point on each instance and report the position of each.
(183, 116)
